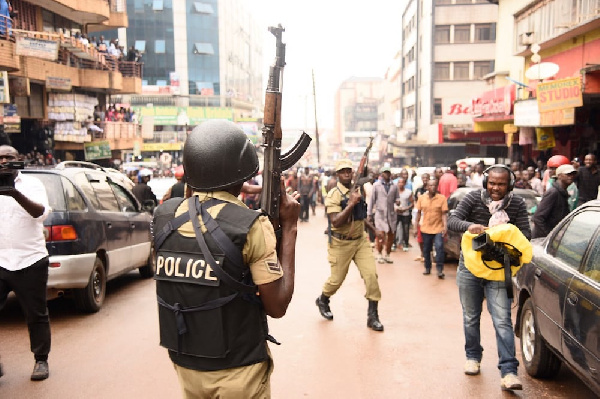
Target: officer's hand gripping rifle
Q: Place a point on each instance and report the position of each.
(274, 161)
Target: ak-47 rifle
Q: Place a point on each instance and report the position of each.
(361, 170)
(274, 161)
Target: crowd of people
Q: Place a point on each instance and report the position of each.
(110, 47)
(112, 114)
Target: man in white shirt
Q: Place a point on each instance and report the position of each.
(23, 254)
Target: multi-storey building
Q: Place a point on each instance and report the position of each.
(448, 46)
(552, 49)
(202, 60)
(356, 118)
(55, 80)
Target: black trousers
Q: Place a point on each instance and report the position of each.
(29, 286)
(304, 207)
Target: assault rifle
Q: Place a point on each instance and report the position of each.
(361, 170)
(274, 161)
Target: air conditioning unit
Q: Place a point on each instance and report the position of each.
(526, 39)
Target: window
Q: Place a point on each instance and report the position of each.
(157, 5)
(485, 32)
(126, 203)
(461, 71)
(442, 34)
(462, 33)
(482, 68)
(409, 113)
(159, 47)
(82, 181)
(75, 201)
(140, 45)
(203, 48)
(437, 107)
(161, 82)
(203, 8)
(575, 239)
(442, 71)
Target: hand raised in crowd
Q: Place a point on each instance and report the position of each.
(477, 228)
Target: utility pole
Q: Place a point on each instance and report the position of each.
(316, 125)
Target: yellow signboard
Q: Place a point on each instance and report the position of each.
(545, 138)
(162, 146)
(560, 117)
(559, 94)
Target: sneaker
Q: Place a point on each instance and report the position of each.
(426, 272)
(510, 382)
(405, 249)
(441, 276)
(387, 259)
(393, 247)
(472, 367)
(420, 259)
(380, 259)
(40, 371)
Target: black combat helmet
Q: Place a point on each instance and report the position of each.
(217, 154)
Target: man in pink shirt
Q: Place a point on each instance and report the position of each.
(448, 182)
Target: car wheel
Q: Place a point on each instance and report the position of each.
(149, 269)
(539, 361)
(91, 298)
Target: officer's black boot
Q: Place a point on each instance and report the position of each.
(373, 317)
(323, 304)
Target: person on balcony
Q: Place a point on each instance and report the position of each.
(5, 20)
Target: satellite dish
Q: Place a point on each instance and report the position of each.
(543, 70)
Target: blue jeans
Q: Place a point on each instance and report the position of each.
(472, 290)
(429, 240)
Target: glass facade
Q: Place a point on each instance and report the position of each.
(203, 47)
(150, 31)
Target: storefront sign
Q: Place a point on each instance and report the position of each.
(4, 92)
(195, 115)
(527, 114)
(30, 47)
(559, 94)
(155, 147)
(11, 120)
(457, 111)
(57, 83)
(494, 104)
(97, 150)
(545, 138)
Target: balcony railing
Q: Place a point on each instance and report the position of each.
(73, 52)
(116, 131)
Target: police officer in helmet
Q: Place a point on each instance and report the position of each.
(218, 272)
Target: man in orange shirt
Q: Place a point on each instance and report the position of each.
(434, 208)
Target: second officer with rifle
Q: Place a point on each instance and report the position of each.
(348, 241)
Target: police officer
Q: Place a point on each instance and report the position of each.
(218, 272)
(348, 242)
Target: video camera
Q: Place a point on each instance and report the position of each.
(7, 178)
(495, 251)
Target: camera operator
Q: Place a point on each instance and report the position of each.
(23, 254)
(480, 209)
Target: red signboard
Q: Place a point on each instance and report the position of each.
(494, 105)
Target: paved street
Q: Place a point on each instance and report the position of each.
(115, 353)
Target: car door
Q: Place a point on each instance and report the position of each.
(581, 335)
(555, 266)
(139, 224)
(118, 229)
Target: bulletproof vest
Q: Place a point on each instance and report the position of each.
(359, 212)
(205, 322)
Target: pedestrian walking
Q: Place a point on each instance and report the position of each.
(554, 205)
(23, 254)
(177, 189)
(479, 209)
(218, 274)
(305, 188)
(448, 183)
(347, 213)
(383, 198)
(403, 207)
(433, 207)
(588, 180)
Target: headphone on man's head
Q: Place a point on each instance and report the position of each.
(486, 173)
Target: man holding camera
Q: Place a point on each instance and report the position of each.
(349, 242)
(480, 209)
(23, 254)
